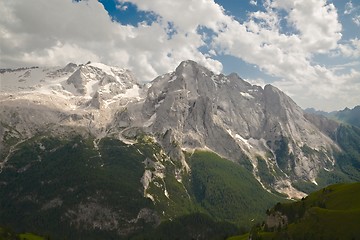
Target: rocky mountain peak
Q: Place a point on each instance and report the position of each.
(93, 77)
(201, 107)
(189, 108)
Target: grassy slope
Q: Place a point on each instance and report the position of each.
(7, 234)
(191, 226)
(331, 213)
(226, 190)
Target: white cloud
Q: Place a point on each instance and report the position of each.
(260, 41)
(122, 7)
(349, 8)
(62, 31)
(351, 49)
(257, 81)
(356, 20)
(316, 20)
(187, 15)
(253, 2)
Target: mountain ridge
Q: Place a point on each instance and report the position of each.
(191, 106)
(347, 115)
(77, 143)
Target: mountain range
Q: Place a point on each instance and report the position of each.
(88, 151)
(347, 115)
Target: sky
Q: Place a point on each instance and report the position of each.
(310, 49)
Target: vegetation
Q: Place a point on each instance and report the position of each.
(348, 137)
(347, 167)
(59, 186)
(350, 116)
(304, 186)
(30, 236)
(283, 157)
(8, 234)
(192, 226)
(331, 213)
(226, 190)
(266, 175)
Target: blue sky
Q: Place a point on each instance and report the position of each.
(310, 49)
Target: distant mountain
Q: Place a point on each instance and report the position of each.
(349, 116)
(88, 152)
(334, 210)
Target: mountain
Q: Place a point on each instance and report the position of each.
(87, 151)
(348, 116)
(253, 123)
(334, 211)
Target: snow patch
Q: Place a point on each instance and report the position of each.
(166, 193)
(91, 87)
(132, 92)
(106, 69)
(314, 182)
(246, 95)
(148, 195)
(238, 137)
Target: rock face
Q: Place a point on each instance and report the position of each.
(237, 120)
(187, 109)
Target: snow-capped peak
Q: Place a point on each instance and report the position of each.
(78, 83)
(105, 68)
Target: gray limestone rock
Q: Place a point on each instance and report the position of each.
(190, 108)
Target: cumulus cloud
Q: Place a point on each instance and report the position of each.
(187, 15)
(316, 20)
(261, 41)
(42, 32)
(351, 49)
(61, 31)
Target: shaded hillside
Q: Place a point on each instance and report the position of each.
(74, 187)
